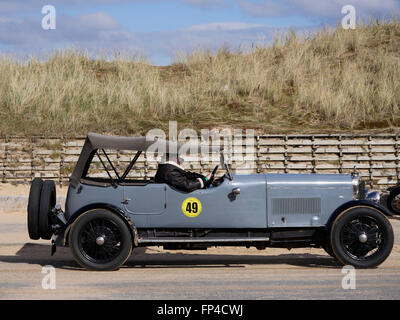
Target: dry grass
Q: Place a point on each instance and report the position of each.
(330, 81)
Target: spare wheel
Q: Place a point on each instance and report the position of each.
(34, 208)
(47, 203)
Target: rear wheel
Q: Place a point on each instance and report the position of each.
(328, 250)
(34, 208)
(100, 240)
(362, 237)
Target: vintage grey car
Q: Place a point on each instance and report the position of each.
(105, 218)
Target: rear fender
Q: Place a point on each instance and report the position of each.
(106, 206)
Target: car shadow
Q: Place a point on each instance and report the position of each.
(147, 258)
(195, 260)
(34, 253)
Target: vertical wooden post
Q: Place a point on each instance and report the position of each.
(146, 165)
(257, 154)
(285, 162)
(62, 158)
(340, 154)
(396, 153)
(314, 170)
(3, 175)
(5, 159)
(32, 174)
(370, 161)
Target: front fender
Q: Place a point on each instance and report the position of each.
(355, 203)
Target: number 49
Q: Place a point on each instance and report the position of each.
(192, 207)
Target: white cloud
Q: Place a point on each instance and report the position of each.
(319, 8)
(21, 32)
(98, 20)
(29, 6)
(225, 26)
(264, 9)
(93, 30)
(100, 33)
(208, 3)
(333, 8)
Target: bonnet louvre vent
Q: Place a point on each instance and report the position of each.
(296, 206)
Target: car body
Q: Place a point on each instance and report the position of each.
(332, 211)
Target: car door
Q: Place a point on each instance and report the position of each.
(146, 199)
(216, 207)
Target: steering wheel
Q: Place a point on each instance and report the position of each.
(213, 174)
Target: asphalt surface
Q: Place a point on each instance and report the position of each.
(218, 273)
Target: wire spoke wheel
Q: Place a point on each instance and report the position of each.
(100, 240)
(362, 237)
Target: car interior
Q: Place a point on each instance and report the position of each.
(124, 179)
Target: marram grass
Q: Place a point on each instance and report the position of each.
(331, 81)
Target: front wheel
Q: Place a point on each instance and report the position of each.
(100, 240)
(362, 237)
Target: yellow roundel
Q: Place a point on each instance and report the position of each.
(191, 207)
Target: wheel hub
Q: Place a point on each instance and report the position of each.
(363, 238)
(100, 240)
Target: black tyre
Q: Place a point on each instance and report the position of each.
(328, 250)
(362, 237)
(34, 208)
(100, 240)
(393, 201)
(47, 203)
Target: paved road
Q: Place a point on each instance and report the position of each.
(218, 273)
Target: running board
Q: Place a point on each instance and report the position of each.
(199, 240)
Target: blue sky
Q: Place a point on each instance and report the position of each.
(160, 29)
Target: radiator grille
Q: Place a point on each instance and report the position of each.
(283, 206)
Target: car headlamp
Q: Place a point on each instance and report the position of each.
(358, 187)
(374, 196)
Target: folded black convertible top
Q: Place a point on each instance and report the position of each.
(95, 141)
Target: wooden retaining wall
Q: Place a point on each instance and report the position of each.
(376, 157)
